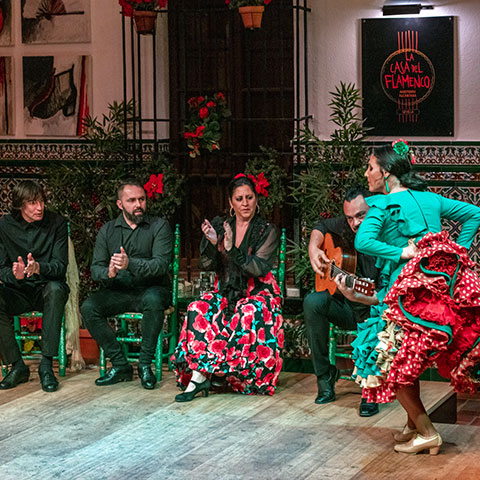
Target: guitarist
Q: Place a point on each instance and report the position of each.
(322, 308)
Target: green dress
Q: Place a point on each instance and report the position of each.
(391, 221)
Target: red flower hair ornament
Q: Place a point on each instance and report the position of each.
(260, 182)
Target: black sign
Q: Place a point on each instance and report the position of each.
(407, 76)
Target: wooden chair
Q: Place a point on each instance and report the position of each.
(169, 330)
(279, 271)
(336, 351)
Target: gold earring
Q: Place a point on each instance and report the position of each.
(232, 212)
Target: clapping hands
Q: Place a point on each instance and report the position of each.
(20, 270)
(228, 237)
(118, 261)
(209, 232)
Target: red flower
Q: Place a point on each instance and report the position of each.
(221, 96)
(266, 2)
(209, 335)
(200, 130)
(261, 335)
(200, 324)
(217, 346)
(280, 338)
(234, 322)
(247, 321)
(211, 104)
(261, 185)
(264, 352)
(203, 112)
(154, 185)
(197, 346)
(270, 363)
(199, 306)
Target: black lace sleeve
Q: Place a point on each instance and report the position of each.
(257, 259)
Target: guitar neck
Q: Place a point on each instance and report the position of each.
(349, 280)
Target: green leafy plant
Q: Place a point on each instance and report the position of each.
(203, 128)
(107, 135)
(246, 3)
(327, 170)
(267, 164)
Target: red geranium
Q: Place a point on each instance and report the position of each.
(203, 129)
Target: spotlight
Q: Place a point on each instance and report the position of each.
(406, 9)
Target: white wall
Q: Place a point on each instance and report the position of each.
(335, 56)
(105, 50)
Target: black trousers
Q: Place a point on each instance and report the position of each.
(49, 299)
(151, 301)
(320, 309)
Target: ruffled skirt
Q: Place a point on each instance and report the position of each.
(431, 315)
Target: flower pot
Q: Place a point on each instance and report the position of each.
(88, 347)
(252, 16)
(144, 21)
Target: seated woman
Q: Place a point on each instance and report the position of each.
(429, 309)
(235, 330)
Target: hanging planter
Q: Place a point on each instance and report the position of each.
(252, 16)
(144, 21)
(250, 10)
(144, 13)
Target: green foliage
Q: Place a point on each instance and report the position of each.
(329, 168)
(108, 134)
(275, 175)
(246, 3)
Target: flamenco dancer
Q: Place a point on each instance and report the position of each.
(233, 334)
(429, 310)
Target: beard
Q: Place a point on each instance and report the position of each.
(136, 219)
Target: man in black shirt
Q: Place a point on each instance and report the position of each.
(33, 263)
(321, 308)
(131, 261)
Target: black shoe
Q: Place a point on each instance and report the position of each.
(218, 381)
(147, 378)
(326, 386)
(203, 387)
(116, 375)
(48, 380)
(367, 409)
(14, 377)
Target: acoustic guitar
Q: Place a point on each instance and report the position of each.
(342, 260)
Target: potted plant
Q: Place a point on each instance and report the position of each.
(144, 13)
(327, 170)
(203, 128)
(250, 10)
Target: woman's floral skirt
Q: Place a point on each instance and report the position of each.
(245, 347)
(431, 315)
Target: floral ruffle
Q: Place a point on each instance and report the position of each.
(435, 302)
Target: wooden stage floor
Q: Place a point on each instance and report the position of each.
(125, 432)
